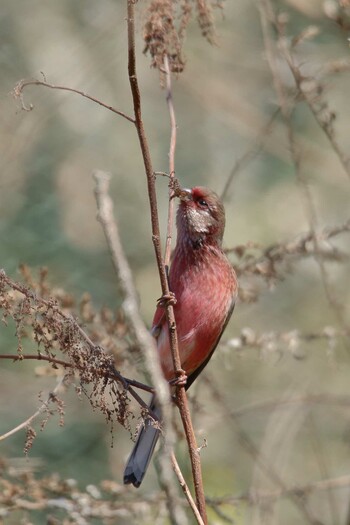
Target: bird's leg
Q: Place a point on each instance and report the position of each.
(167, 300)
(180, 379)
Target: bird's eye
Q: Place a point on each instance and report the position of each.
(203, 203)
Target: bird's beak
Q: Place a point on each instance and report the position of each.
(185, 194)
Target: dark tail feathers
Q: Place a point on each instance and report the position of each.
(141, 454)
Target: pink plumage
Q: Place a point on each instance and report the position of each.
(205, 287)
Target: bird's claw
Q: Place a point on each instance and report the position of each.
(180, 380)
(167, 300)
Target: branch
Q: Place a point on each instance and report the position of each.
(51, 397)
(180, 393)
(186, 490)
(251, 153)
(130, 306)
(291, 341)
(264, 264)
(298, 490)
(263, 462)
(323, 118)
(169, 99)
(268, 16)
(77, 364)
(19, 88)
(332, 400)
(126, 382)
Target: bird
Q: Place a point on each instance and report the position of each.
(205, 287)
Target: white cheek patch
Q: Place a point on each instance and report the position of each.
(199, 220)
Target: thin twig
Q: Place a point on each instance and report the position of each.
(319, 454)
(310, 97)
(40, 410)
(112, 374)
(268, 16)
(301, 490)
(264, 464)
(37, 357)
(182, 403)
(170, 103)
(18, 93)
(333, 301)
(121, 266)
(185, 489)
(297, 246)
(305, 400)
(181, 393)
(251, 153)
(130, 306)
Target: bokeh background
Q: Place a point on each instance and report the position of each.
(224, 99)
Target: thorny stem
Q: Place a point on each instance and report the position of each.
(181, 393)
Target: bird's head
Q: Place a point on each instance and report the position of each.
(201, 215)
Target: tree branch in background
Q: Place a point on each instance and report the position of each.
(268, 17)
(22, 84)
(276, 344)
(251, 153)
(186, 490)
(300, 246)
(261, 461)
(109, 501)
(54, 330)
(52, 398)
(170, 222)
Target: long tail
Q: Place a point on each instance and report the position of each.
(141, 454)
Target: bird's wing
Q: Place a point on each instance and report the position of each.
(198, 370)
(158, 321)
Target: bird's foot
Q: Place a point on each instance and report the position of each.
(167, 300)
(180, 380)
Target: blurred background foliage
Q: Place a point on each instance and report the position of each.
(224, 100)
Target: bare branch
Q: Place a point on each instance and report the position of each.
(329, 400)
(130, 305)
(262, 462)
(169, 99)
(320, 456)
(61, 386)
(180, 391)
(185, 489)
(323, 118)
(121, 266)
(22, 84)
(300, 246)
(268, 17)
(251, 153)
(301, 490)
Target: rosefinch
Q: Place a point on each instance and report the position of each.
(205, 287)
